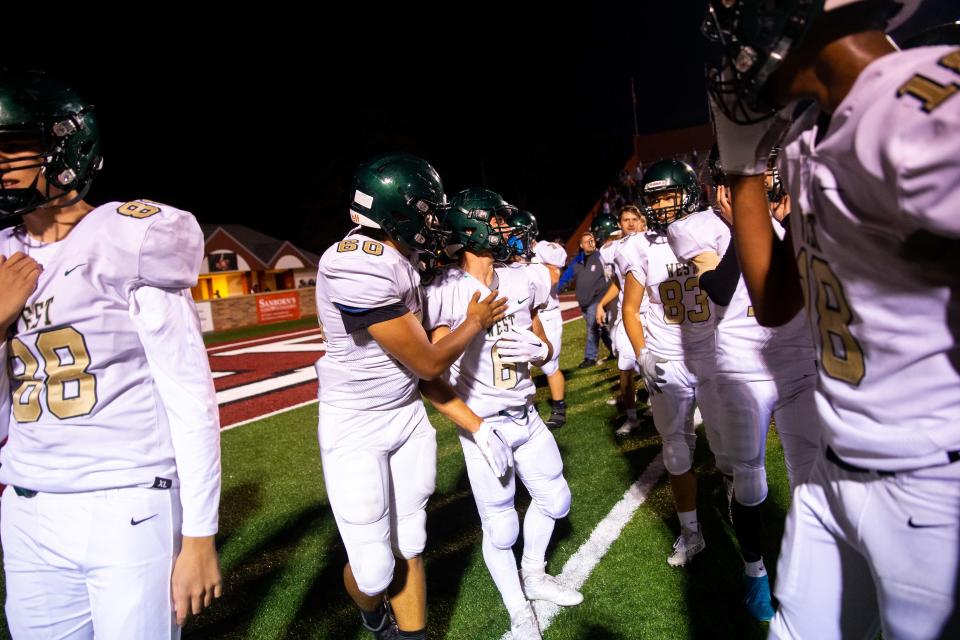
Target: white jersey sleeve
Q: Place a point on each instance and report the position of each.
(923, 152)
(172, 251)
(169, 329)
(540, 286)
(700, 232)
(435, 312)
(632, 259)
(551, 253)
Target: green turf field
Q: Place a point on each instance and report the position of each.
(282, 558)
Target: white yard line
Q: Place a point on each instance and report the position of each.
(582, 563)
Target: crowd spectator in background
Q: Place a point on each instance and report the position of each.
(591, 284)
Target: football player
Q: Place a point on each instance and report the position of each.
(493, 378)
(554, 257)
(377, 446)
(675, 343)
(872, 165)
(112, 462)
(631, 222)
(761, 373)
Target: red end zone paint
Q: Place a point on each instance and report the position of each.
(278, 358)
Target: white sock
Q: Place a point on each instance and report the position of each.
(755, 569)
(537, 531)
(503, 569)
(688, 520)
(632, 415)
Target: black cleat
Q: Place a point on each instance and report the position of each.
(587, 363)
(558, 414)
(385, 629)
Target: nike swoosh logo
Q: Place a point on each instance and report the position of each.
(72, 269)
(136, 522)
(913, 525)
(524, 300)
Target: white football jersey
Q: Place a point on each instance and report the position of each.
(85, 412)
(359, 275)
(487, 385)
(678, 324)
(745, 350)
(550, 253)
(875, 225)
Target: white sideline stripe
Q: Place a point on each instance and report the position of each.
(269, 415)
(279, 346)
(282, 336)
(585, 559)
(297, 376)
(220, 400)
(222, 374)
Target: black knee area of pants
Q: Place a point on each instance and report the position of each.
(748, 524)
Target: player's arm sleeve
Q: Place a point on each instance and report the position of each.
(433, 308)
(540, 286)
(169, 330)
(925, 159)
(629, 260)
(700, 234)
(721, 283)
(171, 252)
(364, 294)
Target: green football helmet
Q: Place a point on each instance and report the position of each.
(752, 38)
(603, 225)
(469, 222)
(402, 196)
(39, 113)
(674, 178)
(525, 232)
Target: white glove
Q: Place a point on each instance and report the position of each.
(494, 449)
(521, 345)
(744, 148)
(651, 371)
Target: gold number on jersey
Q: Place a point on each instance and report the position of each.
(701, 299)
(674, 311)
(373, 248)
(841, 356)
(951, 61)
(930, 92)
(71, 389)
(504, 373)
(137, 209)
(347, 245)
(671, 296)
(352, 244)
(26, 397)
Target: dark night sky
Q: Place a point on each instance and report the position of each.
(217, 118)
